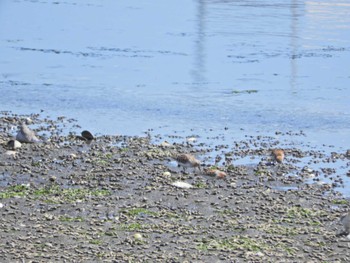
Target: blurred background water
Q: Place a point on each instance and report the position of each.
(122, 67)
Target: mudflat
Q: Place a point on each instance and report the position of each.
(112, 199)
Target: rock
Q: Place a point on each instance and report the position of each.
(53, 178)
(87, 135)
(347, 154)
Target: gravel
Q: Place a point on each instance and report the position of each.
(112, 199)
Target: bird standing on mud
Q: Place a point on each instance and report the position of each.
(278, 154)
(26, 135)
(187, 161)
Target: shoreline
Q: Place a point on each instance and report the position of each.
(113, 200)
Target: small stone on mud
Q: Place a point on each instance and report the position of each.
(233, 184)
(138, 236)
(167, 174)
(87, 135)
(53, 178)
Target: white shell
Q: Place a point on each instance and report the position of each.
(10, 153)
(191, 139)
(166, 174)
(182, 185)
(138, 236)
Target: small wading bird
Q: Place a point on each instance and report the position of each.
(187, 161)
(26, 135)
(215, 172)
(278, 154)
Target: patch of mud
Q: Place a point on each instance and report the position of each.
(112, 199)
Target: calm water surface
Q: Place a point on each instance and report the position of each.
(126, 66)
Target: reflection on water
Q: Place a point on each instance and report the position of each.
(294, 43)
(199, 53)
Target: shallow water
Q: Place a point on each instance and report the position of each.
(122, 67)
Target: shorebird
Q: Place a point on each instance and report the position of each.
(26, 135)
(187, 161)
(278, 155)
(215, 172)
(345, 220)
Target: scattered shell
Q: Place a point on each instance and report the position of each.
(310, 175)
(29, 120)
(14, 144)
(307, 169)
(165, 144)
(138, 236)
(192, 139)
(258, 254)
(1, 205)
(180, 184)
(49, 217)
(167, 174)
(10, 153)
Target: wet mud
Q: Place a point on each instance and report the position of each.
(112, 199)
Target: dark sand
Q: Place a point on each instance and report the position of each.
(66, 200)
